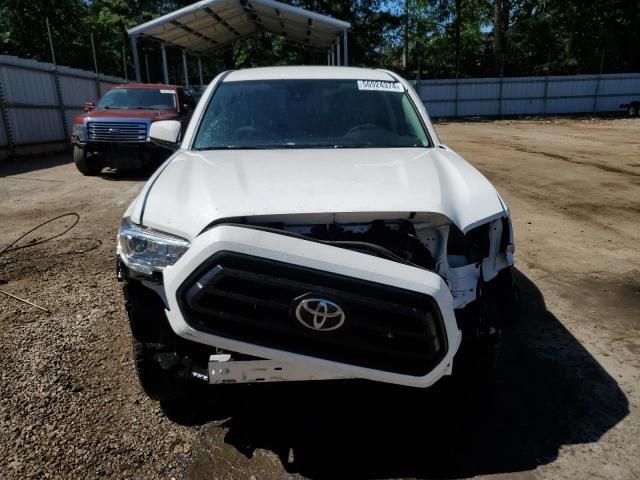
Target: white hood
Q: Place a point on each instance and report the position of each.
(197, 188)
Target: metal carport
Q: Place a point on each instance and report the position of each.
(212, 24)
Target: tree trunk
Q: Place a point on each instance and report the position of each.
(457, 29)
(500, 21)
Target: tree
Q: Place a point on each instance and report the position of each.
(436, 38)
(23, 30)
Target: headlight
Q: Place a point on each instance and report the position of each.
(80, 132)
(146, 250)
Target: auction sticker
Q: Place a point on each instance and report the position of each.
(167, 91)
(380, 86)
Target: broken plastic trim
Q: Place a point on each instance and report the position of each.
(348, 245)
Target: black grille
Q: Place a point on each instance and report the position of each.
(117, 131)
(252, 299)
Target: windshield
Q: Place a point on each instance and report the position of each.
(146, 98)
(310, 114)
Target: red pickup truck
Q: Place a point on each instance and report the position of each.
(114, 133)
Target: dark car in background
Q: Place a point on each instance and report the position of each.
(114, 132)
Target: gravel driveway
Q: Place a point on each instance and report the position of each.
(566, 401)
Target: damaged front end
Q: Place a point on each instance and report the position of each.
(425, 240)
(287, 298)
(405, 288)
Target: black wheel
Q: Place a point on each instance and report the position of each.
(475, 364)
(502, 299)
(633, 110)
(483, 323)
(154, 346)
(153, 379)
(86, 164)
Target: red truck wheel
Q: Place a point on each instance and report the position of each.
(84, 164)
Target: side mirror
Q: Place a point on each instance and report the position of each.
(88, 106)
(165, 133)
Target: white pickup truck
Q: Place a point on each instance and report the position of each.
(311, 226)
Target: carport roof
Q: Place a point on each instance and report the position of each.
(211, 24)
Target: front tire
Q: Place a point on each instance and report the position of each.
(154, 347)
(152, 378)
(482, 324)
(87, 165)
(633, 110)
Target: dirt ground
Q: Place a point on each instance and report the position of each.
(566, 402)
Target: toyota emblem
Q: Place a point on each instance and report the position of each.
(319, 314)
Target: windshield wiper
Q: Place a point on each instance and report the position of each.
(371, 145)
(235, 147)
(302, 146)
(357, 145)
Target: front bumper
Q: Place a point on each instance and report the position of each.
(124, 155)
(325, 269)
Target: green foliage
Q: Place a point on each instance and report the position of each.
(426, 38)
(23, 31)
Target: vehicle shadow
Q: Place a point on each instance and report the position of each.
(115, 174)
(43, 162)
(549, 392)
(33, 163)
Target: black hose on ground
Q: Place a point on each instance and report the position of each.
(9, 248)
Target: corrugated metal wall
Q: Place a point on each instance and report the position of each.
(528, 95)
(35, 98)
(39, 100)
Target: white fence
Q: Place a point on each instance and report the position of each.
(529, 95)
(38, 102)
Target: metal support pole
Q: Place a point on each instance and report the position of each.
(98, 87)
(455, 111)
(63, 116)
(546, 90)
(6, 121)
(333, 56)
(136, 60)
(200, 72)
(146, 66)
(501, 85)
(346, 47)
(56, 79)
(595, 97)
(124, 65)
(165, 70)
(95, 66)
(500, 96)
(95, 59)
(328, 58)
(186, 70)
(338, 51)
(53, 53)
